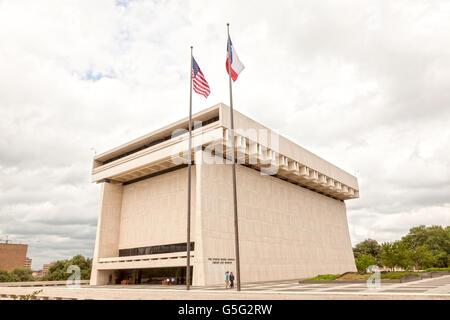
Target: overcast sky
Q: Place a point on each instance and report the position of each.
(363, 84)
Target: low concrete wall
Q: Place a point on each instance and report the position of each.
(39, 283)
(348, 281)
(436, 274)
(410, 278)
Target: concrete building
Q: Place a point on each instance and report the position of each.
(292, 214)
(13, 256)
(28, 262)
(43, 271)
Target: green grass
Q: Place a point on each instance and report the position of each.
(387, 275)
(437, 269)
(397, 275)
(324, 277)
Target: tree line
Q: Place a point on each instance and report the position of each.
(57, 271)
(16, 275)
(422, 248)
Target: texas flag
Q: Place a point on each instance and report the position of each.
(236, 65)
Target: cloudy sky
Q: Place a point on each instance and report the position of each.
(363, 84)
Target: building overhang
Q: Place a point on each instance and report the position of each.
(175, 259)
(167, 148)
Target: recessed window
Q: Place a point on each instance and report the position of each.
(165, 248)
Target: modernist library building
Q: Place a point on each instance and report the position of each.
(292, 214)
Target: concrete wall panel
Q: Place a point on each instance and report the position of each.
(285, 231)
(154, 210)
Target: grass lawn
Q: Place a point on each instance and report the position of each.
(324, 277)
(354, 276)
(397, 275)
(437, 269)
(365, 276)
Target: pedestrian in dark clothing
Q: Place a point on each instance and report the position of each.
(231, 280)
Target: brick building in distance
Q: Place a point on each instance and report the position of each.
(14, 256)
(27, 264)
(43, 271)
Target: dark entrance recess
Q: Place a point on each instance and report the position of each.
(154, 275)
(165, 248)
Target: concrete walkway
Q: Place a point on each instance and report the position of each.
(433, 288)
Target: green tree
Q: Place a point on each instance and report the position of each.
(58, 270)
(364, 261)
(388, 257)
(395, 254)
(368, 247)
(22, 274)
(5, 276)
(422, 257)
(436, 238)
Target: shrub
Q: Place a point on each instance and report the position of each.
(31, 296)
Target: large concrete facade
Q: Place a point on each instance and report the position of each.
(292, 215)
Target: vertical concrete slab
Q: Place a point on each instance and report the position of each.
(199, 262)
(108, 227)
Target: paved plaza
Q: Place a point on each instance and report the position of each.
(432, 288)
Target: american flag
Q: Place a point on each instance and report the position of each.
(201, 86)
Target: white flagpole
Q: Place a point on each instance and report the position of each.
(188, 242)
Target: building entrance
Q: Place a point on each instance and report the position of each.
(170, 275)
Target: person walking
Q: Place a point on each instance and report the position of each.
(231, 280)
(227, 280)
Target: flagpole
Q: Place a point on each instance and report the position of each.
(188, 242)
(233, 165)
